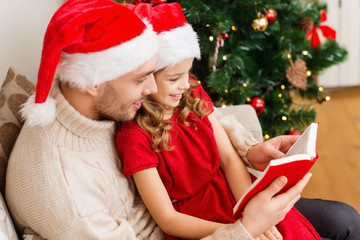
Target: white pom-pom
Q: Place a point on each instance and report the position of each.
(38, 114)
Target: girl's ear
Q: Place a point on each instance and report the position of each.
(93, 91)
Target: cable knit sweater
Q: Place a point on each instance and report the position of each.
(64, 182)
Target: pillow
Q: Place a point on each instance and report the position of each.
(14, 92)
(7, 230)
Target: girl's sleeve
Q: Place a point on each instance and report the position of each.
(134, 148)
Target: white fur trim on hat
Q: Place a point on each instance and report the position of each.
(90, 69)
(177, 45)
(38, 113)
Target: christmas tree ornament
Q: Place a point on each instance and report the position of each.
(219, 43)
(292, 132)
(296, 74)
(260, 23)
(271, 15)
(326, 31)
(136, 2)
(224, 35)
(258, 104)
(306, 24)
(157, 2)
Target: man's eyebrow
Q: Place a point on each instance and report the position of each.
(145, 74)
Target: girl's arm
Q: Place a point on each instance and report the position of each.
(157, 200)
(234, 169)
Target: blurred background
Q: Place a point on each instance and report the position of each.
(257, 52)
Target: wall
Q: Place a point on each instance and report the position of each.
(344, 17)
(22, 27)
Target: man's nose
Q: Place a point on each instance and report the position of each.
(150, 86)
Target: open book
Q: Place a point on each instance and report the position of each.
(298, 161)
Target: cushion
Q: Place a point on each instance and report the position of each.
(14, 92)
(7, 230)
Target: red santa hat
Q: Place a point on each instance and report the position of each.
(88, 42)
(177, 39)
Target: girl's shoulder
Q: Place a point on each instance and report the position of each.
(130, 129)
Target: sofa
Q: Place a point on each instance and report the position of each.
(15, 90)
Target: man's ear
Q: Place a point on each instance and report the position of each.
(93, 91)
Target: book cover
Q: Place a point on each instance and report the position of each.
(298, 161)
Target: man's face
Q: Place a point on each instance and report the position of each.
(121, 98)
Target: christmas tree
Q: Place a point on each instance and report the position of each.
(263, 53)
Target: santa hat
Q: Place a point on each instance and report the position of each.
(88, 42)
(177, 39)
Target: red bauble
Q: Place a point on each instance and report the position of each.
(271, 15)
(157, 2)
(258, 104)
(225, 36)
(136, 2)
(292, 132)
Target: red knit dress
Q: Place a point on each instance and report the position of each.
(191, 172)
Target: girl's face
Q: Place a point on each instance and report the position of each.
(172, 82)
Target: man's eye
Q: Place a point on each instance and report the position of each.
(174, 79)
(139, 81)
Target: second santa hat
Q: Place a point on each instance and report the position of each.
(88, 42)
(177, 39)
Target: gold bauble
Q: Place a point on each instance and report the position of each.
(260, 24)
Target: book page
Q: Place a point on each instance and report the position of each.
(306, 144)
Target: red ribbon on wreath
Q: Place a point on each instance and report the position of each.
(327, 31)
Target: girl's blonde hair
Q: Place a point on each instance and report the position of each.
(150, 117)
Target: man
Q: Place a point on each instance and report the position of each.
(64, 180)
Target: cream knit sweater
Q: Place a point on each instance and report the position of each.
(64, 182)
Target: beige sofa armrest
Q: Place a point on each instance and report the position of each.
(246, 115)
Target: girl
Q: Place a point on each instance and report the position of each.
(182, 161)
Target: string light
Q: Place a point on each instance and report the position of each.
(224, 57)
(321, 89)
(305, 53)
(233, 28)
(266, 136)
(226, 91)
(279, 95)
(327, 98)
(211, 38)
(284, 118)
(288, 56)
(207, 25)
(285, 106)
(308, 73)
(244, 84)
(224, 106)
(282, 86)
(199, 82)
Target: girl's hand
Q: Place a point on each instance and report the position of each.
(271, 234)
(260, 154)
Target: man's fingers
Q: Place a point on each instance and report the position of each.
(270, 235)
(276, 232)
(293, 194)
(276, 186)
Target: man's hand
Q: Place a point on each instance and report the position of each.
(271, 234)
(265, 209)
(261, 154)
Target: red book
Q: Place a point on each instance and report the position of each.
(298, 161)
